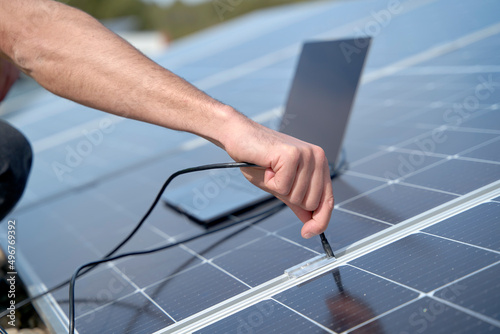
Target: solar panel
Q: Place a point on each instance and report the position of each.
(440, 277)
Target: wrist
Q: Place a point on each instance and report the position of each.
(227, 127)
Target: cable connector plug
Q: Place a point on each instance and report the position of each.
(326, 246)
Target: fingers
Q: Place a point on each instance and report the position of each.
(311, 196)
(281, 179)
(321, 216)
(315, 221)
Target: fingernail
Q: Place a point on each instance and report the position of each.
(309, 235)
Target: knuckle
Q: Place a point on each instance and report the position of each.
(282, 189)
(330, 202)
(311, 204)
(293, 154)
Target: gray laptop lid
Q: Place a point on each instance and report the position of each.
(323, 91)
(317, 111)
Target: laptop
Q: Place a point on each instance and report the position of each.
(317, 111)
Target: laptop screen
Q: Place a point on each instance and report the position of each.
(323, 91)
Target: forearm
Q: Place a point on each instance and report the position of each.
(71, 54)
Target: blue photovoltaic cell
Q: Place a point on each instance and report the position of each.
(263, 259)
(348, 186)
(95, 289)
(486, 152)
(425, 262)
(134, 314)
(427, 315)
(392, 205)
(457, 176)
(478, 226)
(151, 268)
(478, 292)
(225, 241)
(449, 142)
(395, 165)
(265, 317)
(194, 290)
(489, 120)
(345, 298)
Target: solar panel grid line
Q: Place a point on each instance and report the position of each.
(242, 245)
(103, 306)
(464, 128)
(228, 273)
(382, 186)
(430, 154)
(426, 188)
(432, 293)
(464, 69)
(492, 140)
(362, 215)
(156, 304)
(382, 315)
(402, 177)
(294, 243)
(113, 267)
(420, 293)
(394, 147)
(468, 311)
(461, 242)
(404, 99)
(485, 161)
(326, 329)
(409, 303)
(364, 159)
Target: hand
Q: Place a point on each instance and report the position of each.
(8, 75)
(296, 172)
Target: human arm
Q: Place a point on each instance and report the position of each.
(72, 55)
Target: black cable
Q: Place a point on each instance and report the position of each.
(2, 330)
